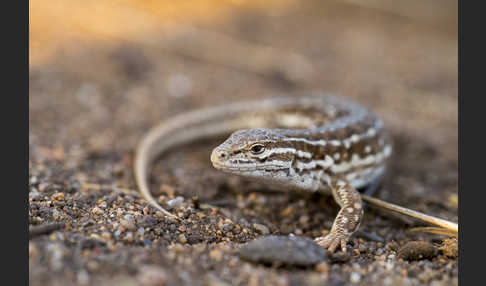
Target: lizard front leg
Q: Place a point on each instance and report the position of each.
(347, 220)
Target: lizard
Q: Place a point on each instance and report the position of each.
(311, 141)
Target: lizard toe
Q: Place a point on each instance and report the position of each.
(332, 241)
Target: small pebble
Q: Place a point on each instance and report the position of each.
(34, 194)
(56, 214)
(304, 220)
(417, 250)
(97, 211)
(287, 211)
(176, 203)
(58, 196)
(182, 238)
(33, 180)
(106, 235)
(128, 224)
(355, 277)
(261, 229)
(283, 250)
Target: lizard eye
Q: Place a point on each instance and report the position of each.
(257, 149)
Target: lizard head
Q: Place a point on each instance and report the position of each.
(253, 153)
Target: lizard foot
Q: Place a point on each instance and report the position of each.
(333, 240)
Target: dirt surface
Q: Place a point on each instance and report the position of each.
(90, 106)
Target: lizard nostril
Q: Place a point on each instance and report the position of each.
(219, 156)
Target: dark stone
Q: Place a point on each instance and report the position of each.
(283, 250)
(194, 239)
(417, 250)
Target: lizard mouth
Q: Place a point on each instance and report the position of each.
(239, 169)
(221, 162)
(231, 168)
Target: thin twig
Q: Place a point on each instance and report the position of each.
(448, 225)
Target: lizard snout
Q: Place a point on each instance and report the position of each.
(218, 156)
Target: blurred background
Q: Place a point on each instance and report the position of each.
(111, 69)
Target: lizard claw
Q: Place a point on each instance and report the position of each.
(332, 241)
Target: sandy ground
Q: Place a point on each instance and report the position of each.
(91, 102)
